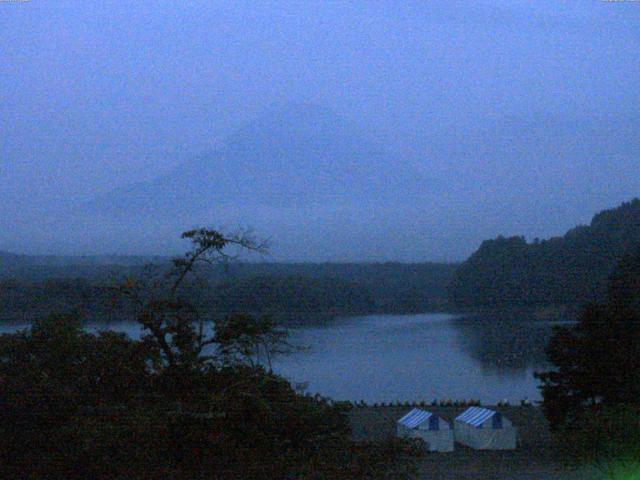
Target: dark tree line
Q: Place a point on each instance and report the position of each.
(569, 270)
(318, 289)
(292, 295)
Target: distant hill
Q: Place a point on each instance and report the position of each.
(10, 257)
(296, 156)
(295, 296)
(394, 287)
(568, 270)
(11, 261)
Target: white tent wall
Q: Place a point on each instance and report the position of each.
(486, 437)
(440, 440)
(437, 440)
(484, 429)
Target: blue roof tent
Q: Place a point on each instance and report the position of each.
(417, 417)
(434, 430)
(476, 416)
(485, 429)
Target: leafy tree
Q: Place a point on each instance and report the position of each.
(598, 360)
(52, 378)
(591, 397)
(245, 338)
(173, 324)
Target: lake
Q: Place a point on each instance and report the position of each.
(383, 358)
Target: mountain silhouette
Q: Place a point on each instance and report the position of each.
(295, 156)
(317, 185)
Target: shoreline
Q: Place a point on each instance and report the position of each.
(535, 458)
(538, 312)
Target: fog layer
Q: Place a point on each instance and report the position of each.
(340, 130)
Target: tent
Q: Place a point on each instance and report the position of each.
(485, 429)
(431, 428)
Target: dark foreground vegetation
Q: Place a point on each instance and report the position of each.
(592, 395)
(186, 401)
(568, 270)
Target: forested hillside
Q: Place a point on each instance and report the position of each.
(568, 270)
(30, 288)
(395, 287)
(293, 296)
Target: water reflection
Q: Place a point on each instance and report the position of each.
(387, 358)
(502, 343)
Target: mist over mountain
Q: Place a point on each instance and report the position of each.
(297, 156)
(428, 126)
(282, 174)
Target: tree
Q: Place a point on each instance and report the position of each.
(173, 324)
(245, 338)
(598, 360)
(191, 340)
(608, 438)
(56, 382)
(594, 389)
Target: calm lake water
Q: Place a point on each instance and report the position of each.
(412, 357)
(420, 357)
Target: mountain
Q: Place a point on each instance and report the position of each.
(317, 185)
(298, 156)
(569, 270)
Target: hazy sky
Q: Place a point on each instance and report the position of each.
(525, 114)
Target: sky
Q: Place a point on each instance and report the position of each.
(524, 115)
